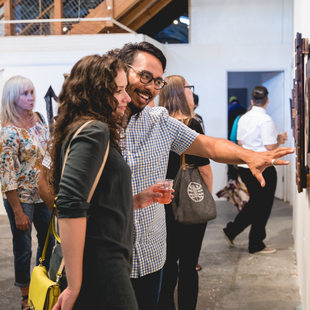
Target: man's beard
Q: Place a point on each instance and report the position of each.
(133, 109)
(133, 92)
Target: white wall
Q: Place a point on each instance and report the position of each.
(301, 201)
(233, 36)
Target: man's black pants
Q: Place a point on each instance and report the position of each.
(257, 211)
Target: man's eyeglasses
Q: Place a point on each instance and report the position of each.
(147, 77)
(192, 87)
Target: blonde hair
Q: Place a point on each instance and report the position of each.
(10, 95)
(172, 96)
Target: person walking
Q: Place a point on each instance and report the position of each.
(256, 131)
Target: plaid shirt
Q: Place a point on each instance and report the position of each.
(148, 139)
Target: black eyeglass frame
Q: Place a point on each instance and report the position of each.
(147, 81)
(192, 87)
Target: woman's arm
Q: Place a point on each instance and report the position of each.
(207, 176)
(72, 234)
(22, 221)
(281, 138)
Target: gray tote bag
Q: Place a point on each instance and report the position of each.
(192, 203)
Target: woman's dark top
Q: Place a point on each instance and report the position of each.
(108, 245)
(175, 159)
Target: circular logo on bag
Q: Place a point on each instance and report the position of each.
(195, 192)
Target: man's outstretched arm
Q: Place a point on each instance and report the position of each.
(224, 151)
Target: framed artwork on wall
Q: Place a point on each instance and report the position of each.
(300, 112)
(307, 103)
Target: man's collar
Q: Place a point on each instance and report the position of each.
(258, 108)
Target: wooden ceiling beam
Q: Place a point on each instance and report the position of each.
(148, 14)
(121, 7)
(9, 15)
(136, 12)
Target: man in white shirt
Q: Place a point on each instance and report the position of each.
(256, 132)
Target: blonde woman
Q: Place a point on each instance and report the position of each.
(183, 241)
(24, 135)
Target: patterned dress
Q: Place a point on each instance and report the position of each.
(21, 154)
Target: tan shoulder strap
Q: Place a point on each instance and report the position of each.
(99, 173)
(68, 148)
(186, 122)
(92, 190)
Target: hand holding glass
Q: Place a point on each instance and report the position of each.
(165, 188)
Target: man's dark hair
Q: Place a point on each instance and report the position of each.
(259, 95)
(129, 51)
(113, 53)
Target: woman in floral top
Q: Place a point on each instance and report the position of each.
(23, 142)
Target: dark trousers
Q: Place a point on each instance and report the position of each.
(147, 289)
(183, 249)
(257, 211)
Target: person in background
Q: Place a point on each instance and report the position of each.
(256, 131)
(96, 237)
(24, 136)
(196, 115)
(200, 120)
(234, 109)
(149, 136)
(183, 241)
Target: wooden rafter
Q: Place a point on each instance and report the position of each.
(122, 7)
(148, 14)
(136, 11)
(92, 27)
(131, 13)
(58, 13)
(8, 15)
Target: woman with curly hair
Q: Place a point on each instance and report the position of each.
(96, 238)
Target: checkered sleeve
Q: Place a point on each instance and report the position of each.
(183, 136)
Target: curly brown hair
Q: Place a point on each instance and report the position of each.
(87, 93)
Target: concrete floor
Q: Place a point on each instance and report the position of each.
(230, 279)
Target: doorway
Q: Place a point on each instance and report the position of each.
(274, 82)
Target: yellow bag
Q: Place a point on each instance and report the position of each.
(43, 292)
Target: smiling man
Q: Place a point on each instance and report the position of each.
(150, 135)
